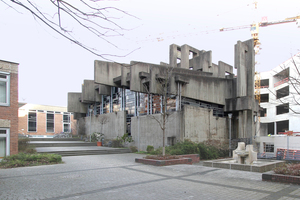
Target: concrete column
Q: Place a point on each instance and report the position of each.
(151, 103)
(135, 107)
(185, 53)
(250, 125)
(173, 55)
(111, 100)
(242, 124)
(101, 105)
(148, 104)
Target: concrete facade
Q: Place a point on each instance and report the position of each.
(8, 108)
(200, 95)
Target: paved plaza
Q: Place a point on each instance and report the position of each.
(117, 176)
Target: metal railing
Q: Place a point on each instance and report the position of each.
(282, 82)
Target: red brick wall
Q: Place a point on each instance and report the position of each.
(42, 124)
(11, 113)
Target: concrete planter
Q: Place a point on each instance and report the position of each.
(183, 159)
(271, 176)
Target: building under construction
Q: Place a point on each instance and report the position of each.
(200, 99)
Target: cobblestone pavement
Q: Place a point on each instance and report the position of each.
(119, 177)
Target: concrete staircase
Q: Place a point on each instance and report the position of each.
(72, 147)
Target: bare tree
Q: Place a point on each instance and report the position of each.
(88, 15)
(163, 90)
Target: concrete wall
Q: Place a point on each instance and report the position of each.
(145, 130)
(111, 124)
(200, 125)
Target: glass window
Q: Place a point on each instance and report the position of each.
(50, 122)
(32, 121)
(67, 122)
(4, 142)
(4, 89)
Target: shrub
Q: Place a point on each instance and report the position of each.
(116, 143)
(150, 148)
(133, 149)
(23, 146)
(97, 137)
(288, 169)
(157, 151)
(23, 159)
(185, 147)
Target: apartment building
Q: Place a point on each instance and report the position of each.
(42, 120)
(8, 108)
(280, 97)
(280, 113)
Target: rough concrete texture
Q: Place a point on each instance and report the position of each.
(89, 94)
(211, 127)
(119, 177)
(110, 124)
(74, 105)
(147, 131)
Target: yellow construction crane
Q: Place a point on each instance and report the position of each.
(254, 28)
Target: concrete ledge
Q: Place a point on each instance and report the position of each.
(183, 159)
(271, 176)
(195, 157)
(229, 164)
(164, 162)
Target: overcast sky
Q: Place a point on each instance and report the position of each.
(51, 66)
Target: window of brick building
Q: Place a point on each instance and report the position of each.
(50, 121)
(4, 142)
(67, 122)
(4, 89)
(32, 120)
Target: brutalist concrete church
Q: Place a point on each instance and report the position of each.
(200, 100)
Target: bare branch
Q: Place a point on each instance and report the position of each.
(86, 16)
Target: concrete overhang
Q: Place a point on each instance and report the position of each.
(74, 105)
(181, 79)
(143, 75)
(117, 80)
(241, 103)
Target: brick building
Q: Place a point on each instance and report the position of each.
(8, 108)
(44, 120)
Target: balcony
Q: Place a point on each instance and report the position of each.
(282, 82)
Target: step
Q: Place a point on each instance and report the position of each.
(61, 143)
(77, 151)
(54, 139)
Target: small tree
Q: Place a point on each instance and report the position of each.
(163, 90)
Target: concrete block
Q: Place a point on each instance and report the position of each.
(74, 105)
(105, 72)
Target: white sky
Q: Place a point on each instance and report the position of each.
(51, 66)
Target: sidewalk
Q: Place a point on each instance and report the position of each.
(117, 176)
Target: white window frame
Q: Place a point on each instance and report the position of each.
(69, 123)
(7, 136)
(7, 81)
